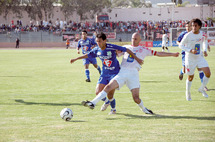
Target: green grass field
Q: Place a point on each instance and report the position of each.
(36, 84)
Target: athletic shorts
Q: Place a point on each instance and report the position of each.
(128, 77)
(191, 65)
(89, 61)
(105, 79)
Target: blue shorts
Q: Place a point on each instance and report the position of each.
(89, 61)
(105, 79)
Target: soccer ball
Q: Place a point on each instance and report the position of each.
(66, 114)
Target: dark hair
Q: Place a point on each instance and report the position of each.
(84, 31)
(188, 23)
(101, 35)
(198, 21)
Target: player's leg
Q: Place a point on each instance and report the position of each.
(201, 76)
(188, 87)
(112, 102)
(167, 48)
(102, 94)
(183, 67)
(139, 102)
(86, 63)
(205, 81)
(162, 48)
(87, 72)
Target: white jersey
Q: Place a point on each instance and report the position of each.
(164, 40)
(129, 62)
(197, 42)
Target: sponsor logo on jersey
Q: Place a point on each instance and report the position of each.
(99, 53)
(85, 48)
(107, 62)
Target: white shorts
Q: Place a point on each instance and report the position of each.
(164, 44)
(128, 77)
(191, 65)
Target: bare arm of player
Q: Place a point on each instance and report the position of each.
(166, 54)
(78, 50)
(135, 57)
(80, 57)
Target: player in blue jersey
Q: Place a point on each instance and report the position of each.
(86, 44)
(110, 66)
(180, 37)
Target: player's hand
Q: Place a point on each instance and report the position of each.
(140, 61)
(78, 51)
(93, 46)
(176, 54)
(205, 53)
(193, 51)
(72, 61)
(209, 48)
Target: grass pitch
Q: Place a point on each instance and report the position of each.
(36, 84)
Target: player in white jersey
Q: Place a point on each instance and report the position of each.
(195, 44)
(129, 74)
(164, 41)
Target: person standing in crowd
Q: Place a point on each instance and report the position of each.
(67, 43)
(17, 42)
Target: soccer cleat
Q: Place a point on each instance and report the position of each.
(181, 76)
(147, 111)
(87, 80)
(104, 106)
(88, 104)
(188, 96)
(113, 111)
(206, 89)
(204, 94)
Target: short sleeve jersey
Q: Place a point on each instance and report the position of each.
(129, 62)
(110, 64)
(86, 45)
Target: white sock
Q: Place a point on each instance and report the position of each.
(188, 85)
(141, 105)
(204, 83)
(100, 96)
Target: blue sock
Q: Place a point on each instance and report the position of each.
(106, 100)
(113, 103)
(181, 72)
(99, 69)
(87, 73)
(201, 75)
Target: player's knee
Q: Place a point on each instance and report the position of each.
(136, 99)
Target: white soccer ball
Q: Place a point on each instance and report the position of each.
(66, 114)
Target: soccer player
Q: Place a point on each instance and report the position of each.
(129, 74)
(201, 73)
(110, 66)
(86, 44)
(164, 41)
(195, 45)
(67, 43)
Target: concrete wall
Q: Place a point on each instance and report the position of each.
(132, 14)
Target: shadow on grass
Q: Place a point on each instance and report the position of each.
(151, 81)
(51, 104)
(159, 116)
(211, 89)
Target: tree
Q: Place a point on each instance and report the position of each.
(7, 6)
(84, 8)
(39, 8)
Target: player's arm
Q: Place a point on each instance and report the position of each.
(78, 58)
(78, 47)
(134, 56)
(205, 45)
(166, 54)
